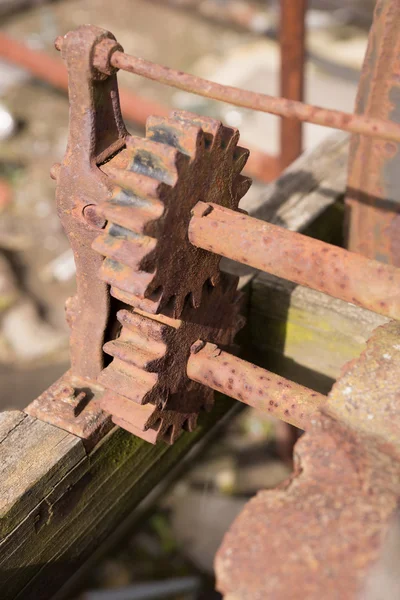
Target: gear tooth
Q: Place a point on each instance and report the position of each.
(138, 220)
(241, 186)
(123, 408)
(188, 139)
(207, 124)
(176, 433)
(240, 157)
(229, 284)
(137, 189)
(191, 422)
(149, 329)
(125, 246)
(196, 296)
(229, 137)
(180, 301)
(170, 435)
(129, 352)
(119, 375)
(155, 420)
(172, 305)
(215, 278)
(156, 160)
(149, 435)
(219, 136)
(125, 278)
(150, 305)
(212, 128)
(161, 424)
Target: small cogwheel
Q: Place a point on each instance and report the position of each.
(149, 261)
(148, 391)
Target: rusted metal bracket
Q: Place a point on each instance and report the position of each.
(142, 192)
(96, 133)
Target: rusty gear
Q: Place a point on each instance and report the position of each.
(148, 391)
(183, 159)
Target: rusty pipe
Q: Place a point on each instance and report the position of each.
(262, 166)
(253, 385)
(52, 71)
(298, 258)
(282, 107)
(292, 57)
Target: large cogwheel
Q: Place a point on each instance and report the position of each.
(149, 261)
(148, 391)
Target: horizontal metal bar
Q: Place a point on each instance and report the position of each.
(281, 107)
(298, 258)
(260, 165)
(53, 71)
(254, 386)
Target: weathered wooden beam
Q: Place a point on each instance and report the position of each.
(306, 189)
(34, 457)
(305, 335)
(56, 523)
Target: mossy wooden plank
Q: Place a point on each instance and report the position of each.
(34, 456)
(303, 334)
(51, 543)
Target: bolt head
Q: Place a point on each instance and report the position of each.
(93, 217)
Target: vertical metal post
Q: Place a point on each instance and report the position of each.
(373, 195)
(292, 53)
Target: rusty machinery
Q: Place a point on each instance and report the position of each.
(153, 318)
(260, 165)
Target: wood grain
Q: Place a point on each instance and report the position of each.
(305, 335)
(64, 526)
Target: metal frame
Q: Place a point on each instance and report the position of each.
(93, 57)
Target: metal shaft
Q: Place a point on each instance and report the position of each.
(254, 386)
(134, 108)
(52, 71)
(292, 53)
(298, 258)
(281, 107)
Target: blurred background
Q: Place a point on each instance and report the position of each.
(228, 41)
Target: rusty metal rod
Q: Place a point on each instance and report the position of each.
(53, 71)
(298, 258)
(253, 385)
(260, 165)
(281, 107)
(292, 57)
